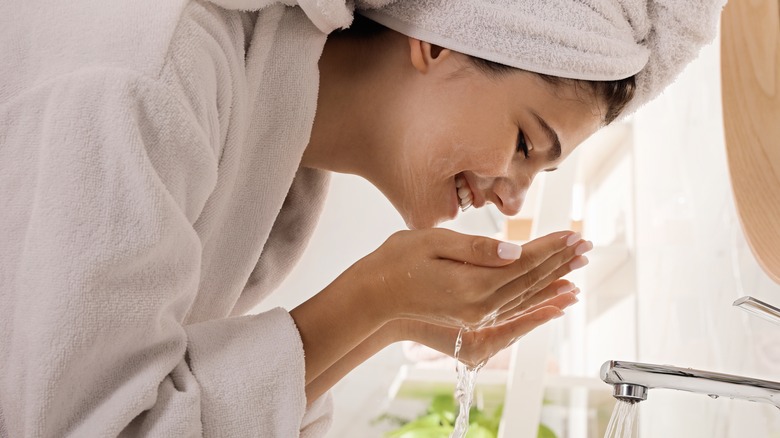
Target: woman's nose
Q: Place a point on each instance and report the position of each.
(509, 196)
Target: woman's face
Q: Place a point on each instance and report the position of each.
(465, 136)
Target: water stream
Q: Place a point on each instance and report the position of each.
(464, 389)
(623, 423)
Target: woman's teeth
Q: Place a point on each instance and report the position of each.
(464, 193)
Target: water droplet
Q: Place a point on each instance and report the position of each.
(713, 396)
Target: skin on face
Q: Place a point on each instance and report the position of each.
(436, 116)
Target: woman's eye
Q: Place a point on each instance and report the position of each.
(522, 146)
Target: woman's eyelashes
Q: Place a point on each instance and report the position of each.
(522, 144)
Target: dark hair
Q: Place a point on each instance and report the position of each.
(615, 94)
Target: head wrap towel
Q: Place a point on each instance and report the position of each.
(579, 39)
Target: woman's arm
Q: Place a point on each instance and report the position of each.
(370, 346)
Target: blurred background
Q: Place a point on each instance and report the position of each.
(653, 194)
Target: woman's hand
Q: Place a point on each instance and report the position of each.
(436, 276)
(481, 344)
(451, 279)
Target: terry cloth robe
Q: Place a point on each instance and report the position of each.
(150, 195)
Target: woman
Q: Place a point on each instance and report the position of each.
(164, 164)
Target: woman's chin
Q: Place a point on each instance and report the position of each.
(421, 215)
(421, 223)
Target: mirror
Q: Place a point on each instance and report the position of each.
(750, 69)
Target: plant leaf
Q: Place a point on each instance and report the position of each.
(477, 431)
(545, 432)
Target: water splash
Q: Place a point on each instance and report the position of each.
(623, 423)
(464, 390)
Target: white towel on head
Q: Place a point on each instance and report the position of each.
(580, 39)
(327, 15)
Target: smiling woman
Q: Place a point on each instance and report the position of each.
(163, 165)
(460, 130)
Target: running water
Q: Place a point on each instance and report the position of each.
(464, 390)
(623, 422)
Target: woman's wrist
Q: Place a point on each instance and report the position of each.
(374, 343)
(399, 329)
(338, 319)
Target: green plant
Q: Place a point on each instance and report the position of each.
(439, 419)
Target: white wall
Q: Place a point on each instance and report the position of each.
(693, 262)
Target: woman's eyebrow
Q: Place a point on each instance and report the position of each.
(555, 150)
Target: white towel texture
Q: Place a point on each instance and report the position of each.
(149, 196)
(580, 39)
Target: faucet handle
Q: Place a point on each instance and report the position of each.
(759, 308)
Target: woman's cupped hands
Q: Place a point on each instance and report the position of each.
(428, 284)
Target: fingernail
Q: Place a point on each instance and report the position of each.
(578, 262)
(563, 289)
(583, 247)
(509, 251)
(576, 291)
(560, 313)
(573, 238)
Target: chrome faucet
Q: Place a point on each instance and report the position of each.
(759, 308)
(631, 381)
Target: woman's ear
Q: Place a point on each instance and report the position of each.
(425, 56)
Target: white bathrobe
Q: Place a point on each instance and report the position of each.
(148, 151)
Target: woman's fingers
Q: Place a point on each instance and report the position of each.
(558, 300)
(575, 263)
(538, 257)
(484, 251)
(538, 251)
(543, 261)
(480, 345)
(520, 326)
(442, 276)
(522, 303)
(551, 269)
(548, 286)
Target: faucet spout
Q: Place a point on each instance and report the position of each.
(630, 392)
(628, 378)
(759, 308)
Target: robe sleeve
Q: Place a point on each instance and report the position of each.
(103, 173)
